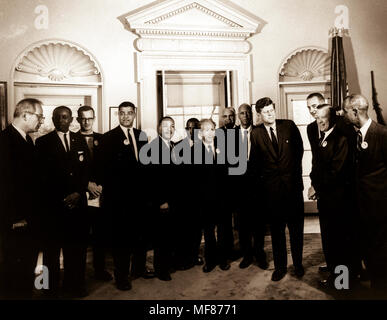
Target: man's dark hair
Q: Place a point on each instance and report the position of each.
(192, 120)
(166, 118)
(264, 102)
(85, 109)
(126, 104)
(318, 95)
(57, 109)
(332, 113)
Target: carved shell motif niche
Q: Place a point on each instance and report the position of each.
(58, 62)
(306, 65)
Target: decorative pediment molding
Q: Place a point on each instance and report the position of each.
(58, 61)
(306, 64)
(186, 20)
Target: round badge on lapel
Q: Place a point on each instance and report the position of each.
(364, 145)
(287, 141)
(324, 144)
(217, 151)
(126, 142)
(81, 158)
(96, 143)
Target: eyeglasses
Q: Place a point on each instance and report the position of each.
(86, 119)
(40, 116)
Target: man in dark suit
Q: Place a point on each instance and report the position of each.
(276, 151)
(19, 201)
(229, 218)
(190, 228)
(251, 222)
(370, 148)
(86, 118)
(64, 158)
(210, 173)
(160, 154)
(330, 180)
(124, 196)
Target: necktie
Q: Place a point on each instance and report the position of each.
(274, 140)
(66, 142)
(322, 136)
(131, 145)
(29, 140)
(210, 150)
(359, 140)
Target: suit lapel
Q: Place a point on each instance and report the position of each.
(267, 141)
(279, 137)
(58, 142)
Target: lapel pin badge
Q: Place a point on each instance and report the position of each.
(96, 143)
(217, 151)
(126, 142)
(81, 158)
(287, 141)
(324, 144)
(364, 145)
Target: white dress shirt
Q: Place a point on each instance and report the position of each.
(365, 128)
(61, 136)
(327, 133)
(248, 132)
(125, 130)
(274, 129)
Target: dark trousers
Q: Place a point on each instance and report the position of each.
(335, 225)
(68, 232)
(164, 240)
(290, 213)
(18, 256)
(251, 232)
(99, 237)
(74, 263)
(216, 235)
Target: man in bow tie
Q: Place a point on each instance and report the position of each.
(19, 201)
(86, 119)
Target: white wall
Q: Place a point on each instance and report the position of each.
(291, 24)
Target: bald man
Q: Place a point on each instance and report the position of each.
(371, 185)
(330, 178)
(19, 200)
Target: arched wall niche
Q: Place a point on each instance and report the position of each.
(57, 68)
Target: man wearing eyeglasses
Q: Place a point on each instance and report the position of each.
(99, 230)
(124, 199)
(19, 201)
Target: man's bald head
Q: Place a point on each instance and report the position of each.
(228, 117)
(356, 109)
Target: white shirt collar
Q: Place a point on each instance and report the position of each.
(61, 134)
(168, 143)
(327, 133)
(271, 126)
(125, 130)
(248, 129)
(23, 134)
(365, 127)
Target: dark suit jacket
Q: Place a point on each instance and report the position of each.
(118, 170)
(330, 169)
(18, 179)
(279, 174)
(63, 173)
(371, 173)
(94, 154)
